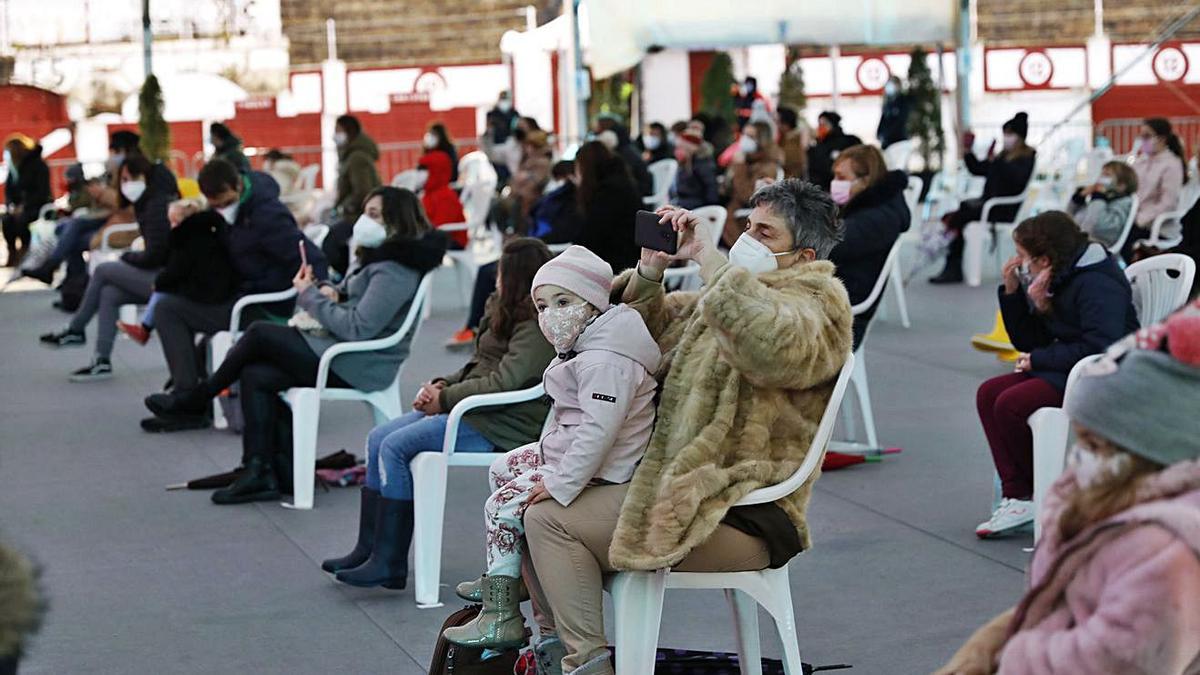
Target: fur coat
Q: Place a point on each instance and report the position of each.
(20, 604)
(748, 367)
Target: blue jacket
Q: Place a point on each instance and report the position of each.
(1092, 307)
(262, 240)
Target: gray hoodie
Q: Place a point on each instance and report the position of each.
(603, 404)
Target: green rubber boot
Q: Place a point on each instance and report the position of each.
(500, 625)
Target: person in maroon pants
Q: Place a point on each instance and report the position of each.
(1064, 297)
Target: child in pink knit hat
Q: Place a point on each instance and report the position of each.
(602, 384)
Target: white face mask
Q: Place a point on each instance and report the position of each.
(504, 105)
(1090, 468)
(743, 90)
(753, 255)
(889, 89)
(229, 213)
(1010, 141)
(748, 145)
(430, 140)
(672, 138)
(340, 138)
(1105, 182)
(133, 189)
(652, 142)
(562, 326)
(368, 232)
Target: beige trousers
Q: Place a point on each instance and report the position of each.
(568, 548)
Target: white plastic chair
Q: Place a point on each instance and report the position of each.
(316, 233)
(638, 596)
(663, 171)
(1120, 242)
(1155, 293)
(221, 342)
(429, 470)
(483, 244)
(306, 401)
(912, 197)
(687, 277)
(306, 186)
(862, 391)
(976, 234)
(406, 179)
(1051, 431)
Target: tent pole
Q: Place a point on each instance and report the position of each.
(835, 55)
(963, 73)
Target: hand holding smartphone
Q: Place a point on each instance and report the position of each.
(303, 254)
(650, 233)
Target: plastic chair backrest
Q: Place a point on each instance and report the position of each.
(715, 215)
(406, 179)
(476, 199)
(1077, 370)
(663, 171)
(880, 281)
(816, 449)
(912, 193)
(475, 167)
(307, 179)
(896, 155)
(1129, 221)
(1156, 294)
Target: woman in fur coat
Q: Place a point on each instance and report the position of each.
(748, 366)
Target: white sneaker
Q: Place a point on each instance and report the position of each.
(1012, 514)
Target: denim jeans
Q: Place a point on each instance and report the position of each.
(74, 235)
(390, 446)
(148, 314)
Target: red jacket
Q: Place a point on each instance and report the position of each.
(439, 199)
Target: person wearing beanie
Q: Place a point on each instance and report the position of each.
(1114, 585)
(695, 183)
(602, 386)
(1007, 173)
(26, 191)
(831, 141)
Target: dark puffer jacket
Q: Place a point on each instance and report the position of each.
(262, 239)
(1006, 177)
(1092, 307)
(874, 220)
(198, 264)
(151, 212)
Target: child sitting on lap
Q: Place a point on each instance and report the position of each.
(602, 385)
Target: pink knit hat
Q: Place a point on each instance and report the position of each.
(580, 271)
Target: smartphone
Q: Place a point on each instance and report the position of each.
(303, 254)
(649, 233)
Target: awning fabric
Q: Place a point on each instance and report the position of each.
(622, 30)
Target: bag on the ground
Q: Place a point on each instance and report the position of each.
(689, 662)
(451, 659)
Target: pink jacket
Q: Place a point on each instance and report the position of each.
(603, 404)
(1123, 596)
(1160, 178)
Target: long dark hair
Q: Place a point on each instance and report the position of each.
(1052, 234)
(1162, 127)
(519, 261)
(403, 215)
(590, 164)
(443, 138)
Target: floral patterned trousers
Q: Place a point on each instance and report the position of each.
(512, 477)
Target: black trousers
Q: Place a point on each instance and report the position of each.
(336, 246)
(267, 360)
(16, 229)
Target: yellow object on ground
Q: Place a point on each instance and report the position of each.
(995, 341)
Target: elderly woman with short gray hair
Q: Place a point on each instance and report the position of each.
(749, 365)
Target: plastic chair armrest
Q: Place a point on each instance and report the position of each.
(999, 201)
(255, 299)
(115, 229)
(484, 401)
(1159, 221)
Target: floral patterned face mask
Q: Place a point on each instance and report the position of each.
(563, 325)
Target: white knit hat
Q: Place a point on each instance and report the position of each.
(580, 271)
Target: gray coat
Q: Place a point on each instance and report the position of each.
(376, 300)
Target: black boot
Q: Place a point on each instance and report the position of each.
(388, 564)
(192, 402)
(368, 502)
(952, 273)
(256, 484)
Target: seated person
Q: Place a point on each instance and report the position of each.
(757, 158)
(1114, 585)
(874, 215)
(696, 181)
(440, 201)
(738, 410)
(1162, 171)
(602, 387)
(396, 249)
(510, 354)
(198, 265)
(1063, 298)
(1101, 210)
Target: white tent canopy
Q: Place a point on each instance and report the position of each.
(192, 96)
(627, 28)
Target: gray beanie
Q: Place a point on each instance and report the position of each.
(1148, 404)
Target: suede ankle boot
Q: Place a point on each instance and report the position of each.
(256, 484)
(368, 501)
(548, 653)
(599, 665)
(952, 273)
(500, 625)
(387, 564)
(473, 590)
